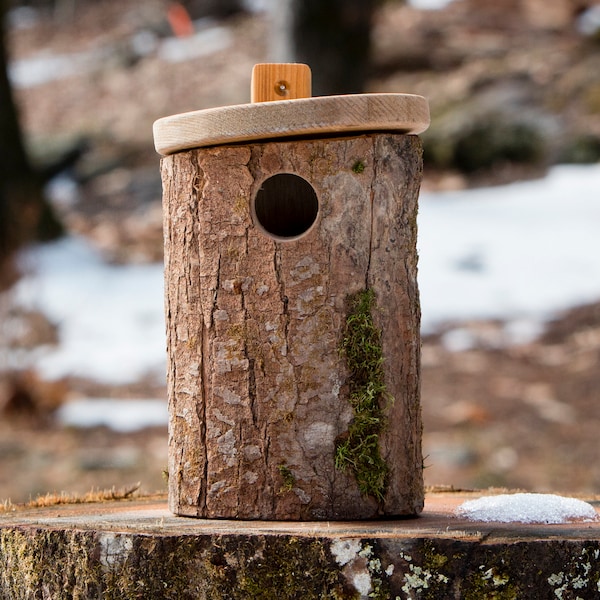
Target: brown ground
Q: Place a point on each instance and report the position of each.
(524, 416)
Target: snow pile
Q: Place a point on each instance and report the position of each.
(527, 508)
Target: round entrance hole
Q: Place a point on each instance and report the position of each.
(286, 205)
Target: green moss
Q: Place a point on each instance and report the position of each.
(433, 560)
(491, 585)
(358, 450)
(287, 477)
(169, 568)
(59, 561)
(74, 565)
(288, 569)
(358, 167)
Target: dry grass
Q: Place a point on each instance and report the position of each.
(55, 499)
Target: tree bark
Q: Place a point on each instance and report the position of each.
(258, 387)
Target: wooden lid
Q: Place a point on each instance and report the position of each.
(266, 118)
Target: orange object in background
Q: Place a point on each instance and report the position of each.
(179, 20)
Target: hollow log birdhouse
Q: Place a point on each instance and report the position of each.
(292, 304)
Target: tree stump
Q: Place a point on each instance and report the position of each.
(293, 328)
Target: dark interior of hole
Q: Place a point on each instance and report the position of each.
(286, 205)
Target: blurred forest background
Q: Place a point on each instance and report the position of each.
(514, 88)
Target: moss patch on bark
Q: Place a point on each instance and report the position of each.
(358, 450)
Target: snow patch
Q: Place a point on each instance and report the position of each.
(110, 317)
(202, 43)
(519, 252)
(429, 4)
(120, 415)
(527, 508)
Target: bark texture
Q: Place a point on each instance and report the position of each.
(258, 388)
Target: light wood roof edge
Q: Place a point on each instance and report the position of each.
(352, 113)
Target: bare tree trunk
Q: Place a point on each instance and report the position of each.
(24, 213)
(262, 392)
(13, 160)
(332, 36)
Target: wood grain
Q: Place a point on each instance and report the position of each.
(327, 115)
(280, 81)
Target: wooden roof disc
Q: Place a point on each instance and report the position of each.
(282, 107)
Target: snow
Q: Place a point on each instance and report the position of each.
(429, 4)
(207, 40)
(110, 317)
(517, 253)
(588, 22)
(527, 508)
(45, 67)
(120, 415)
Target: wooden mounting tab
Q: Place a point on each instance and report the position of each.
(280, 81)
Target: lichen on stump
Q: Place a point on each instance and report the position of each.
(259, 391)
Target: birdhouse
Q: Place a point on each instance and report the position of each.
(292, 304)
